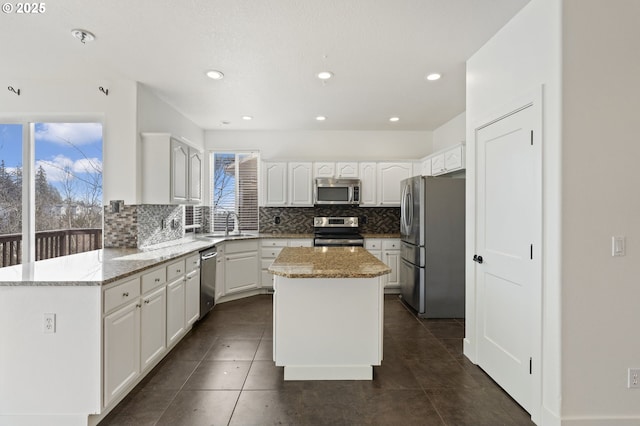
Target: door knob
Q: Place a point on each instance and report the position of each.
(477, 258)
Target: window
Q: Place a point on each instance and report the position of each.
(234, 190)
(64, 215)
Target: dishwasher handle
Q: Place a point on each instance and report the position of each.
(208, 256)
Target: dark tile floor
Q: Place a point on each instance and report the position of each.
(222, 373)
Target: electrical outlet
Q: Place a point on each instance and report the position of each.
(49, 323)
(634, 378)
(277, 220)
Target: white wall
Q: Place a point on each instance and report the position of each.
(450, 133)
(601, 294)
(516, 61)
(81, 100)
(325, 145)
(48, 375)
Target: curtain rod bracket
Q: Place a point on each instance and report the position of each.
(11, 89)
(103, 90)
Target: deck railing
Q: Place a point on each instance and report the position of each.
(50, 244)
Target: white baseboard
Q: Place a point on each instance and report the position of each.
(600, 421)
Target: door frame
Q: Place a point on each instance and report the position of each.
(532, 99)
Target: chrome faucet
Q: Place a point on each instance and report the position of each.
(226, 222)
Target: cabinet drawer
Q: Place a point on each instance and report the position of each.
(175, 269)
(372, 244)
(274, 243)
(392, 244)
(270, 253)
(241, 246)
(121, 294)
(153, 279)
(193, 262)
(301, 242)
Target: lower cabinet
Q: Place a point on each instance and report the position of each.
(121, 350)
(153, 319)
(175, 310)
(192, 289)
(388, 251)
(241, 266)
(270, 249)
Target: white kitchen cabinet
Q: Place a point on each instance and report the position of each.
(389, 177)
(220, 271)
(324, 169)
(368, 183)
(176, 323)
(340, 169)
(274, 184)
(270, 248)
(241, 266)
(448, 161)
(171, 170)
(153, 316)
(391, 257)
(374, 246)
(300, 184)
(192, 289)
(121, 350)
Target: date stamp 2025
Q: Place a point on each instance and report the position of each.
(24, 8)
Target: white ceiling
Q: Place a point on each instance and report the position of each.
(270, 52)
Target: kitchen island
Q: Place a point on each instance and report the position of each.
(328, 310)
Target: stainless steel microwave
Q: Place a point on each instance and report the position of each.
(329, 191)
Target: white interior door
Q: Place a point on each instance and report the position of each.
(507, 275)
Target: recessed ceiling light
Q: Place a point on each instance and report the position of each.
(215, 75)
(394, 119)
(247, 117)
(325, 75)
(433, 77)
(83, 35)
(321, 118)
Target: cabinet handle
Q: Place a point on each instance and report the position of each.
(146, 301)
(178, 270)
(138, 305)
(125, 294)
(157, 280)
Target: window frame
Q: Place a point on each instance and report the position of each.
(28, 123)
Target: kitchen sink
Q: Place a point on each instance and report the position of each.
(240, 235)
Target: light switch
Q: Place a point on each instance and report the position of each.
(618, 246)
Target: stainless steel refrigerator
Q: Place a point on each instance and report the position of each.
(432, 249)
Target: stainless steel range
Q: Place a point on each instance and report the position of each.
(337, 232)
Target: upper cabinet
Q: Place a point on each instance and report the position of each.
(171, 170)
(389, 177)
(343, 169)
(286, 184)
(300, 184)
(368, 186)
(447, 161)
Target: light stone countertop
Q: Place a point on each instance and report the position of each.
(327, 262)
(101, 267)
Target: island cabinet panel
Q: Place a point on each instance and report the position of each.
(319, 337)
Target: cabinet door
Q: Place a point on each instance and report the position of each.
(195, 175)
(175, 311)
(220, 272)
(241, 272)
(347, 170)
(392, 259)
(153, 328)
(437, 164)
(324, 169)
(274, 185)
(121, 350)
(368, 177)
(300, 179)
(453, 159)
(179, 171)
(389, 177)
(426, 167)
(192, 296)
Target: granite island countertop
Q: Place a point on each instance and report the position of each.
(327, 262)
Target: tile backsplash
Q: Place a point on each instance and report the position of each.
(373, 220)
(142, 225)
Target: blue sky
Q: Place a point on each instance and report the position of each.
(74, 147)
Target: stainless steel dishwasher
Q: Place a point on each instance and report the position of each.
(208, 259)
